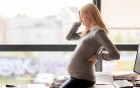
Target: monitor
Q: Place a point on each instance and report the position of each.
(137, 61)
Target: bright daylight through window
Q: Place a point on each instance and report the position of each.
(122, 18)
(48, 22)
(35, 22)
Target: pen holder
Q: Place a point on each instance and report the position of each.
(133, 78)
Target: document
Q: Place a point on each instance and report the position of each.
(36, 86)
(125, 75)
(104, 78)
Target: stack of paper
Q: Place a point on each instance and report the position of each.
(36, 86)
(104, 78)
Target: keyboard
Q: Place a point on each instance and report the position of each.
(122, 84)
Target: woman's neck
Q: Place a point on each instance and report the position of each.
(92, 25)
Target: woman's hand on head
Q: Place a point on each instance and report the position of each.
(93, 59)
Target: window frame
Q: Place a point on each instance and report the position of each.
(60, 48)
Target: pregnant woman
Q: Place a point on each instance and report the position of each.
(91, 41)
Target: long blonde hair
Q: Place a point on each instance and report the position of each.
(94, 14)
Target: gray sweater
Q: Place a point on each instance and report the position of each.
(89, 45)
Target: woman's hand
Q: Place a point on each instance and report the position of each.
(93, 59)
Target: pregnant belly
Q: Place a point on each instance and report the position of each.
(80, 66)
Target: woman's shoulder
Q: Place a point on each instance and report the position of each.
(97, 28)
(100, 30)
(100, 33)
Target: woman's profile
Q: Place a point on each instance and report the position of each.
(81, 68)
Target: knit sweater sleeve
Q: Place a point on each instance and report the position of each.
(103, 39)
(72, 35)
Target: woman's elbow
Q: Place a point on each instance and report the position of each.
(116, 56)
(68, 38)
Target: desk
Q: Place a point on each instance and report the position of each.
(103, 86)
(107, 86)
(40, 86)
(43, 86)
(27, 86)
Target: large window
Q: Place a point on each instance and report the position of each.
(32, 67)
(37, 21)
(126, 62)
(123, 20)
(121, 14)
(48, 22)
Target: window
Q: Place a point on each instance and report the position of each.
(121, 14)
(23, 67)
(37, 21)
(122, 19)
(126, 62)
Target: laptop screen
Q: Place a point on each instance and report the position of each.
(137, 61)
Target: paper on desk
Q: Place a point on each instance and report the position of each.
(104, 78)
(126, 75)
(36, 86)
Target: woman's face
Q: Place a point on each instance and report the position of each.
(85, 19)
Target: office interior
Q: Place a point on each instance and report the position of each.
(33, 48)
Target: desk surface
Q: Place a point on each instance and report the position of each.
(107, 86)
(27, 86)
(43, 86)
(103, 86)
